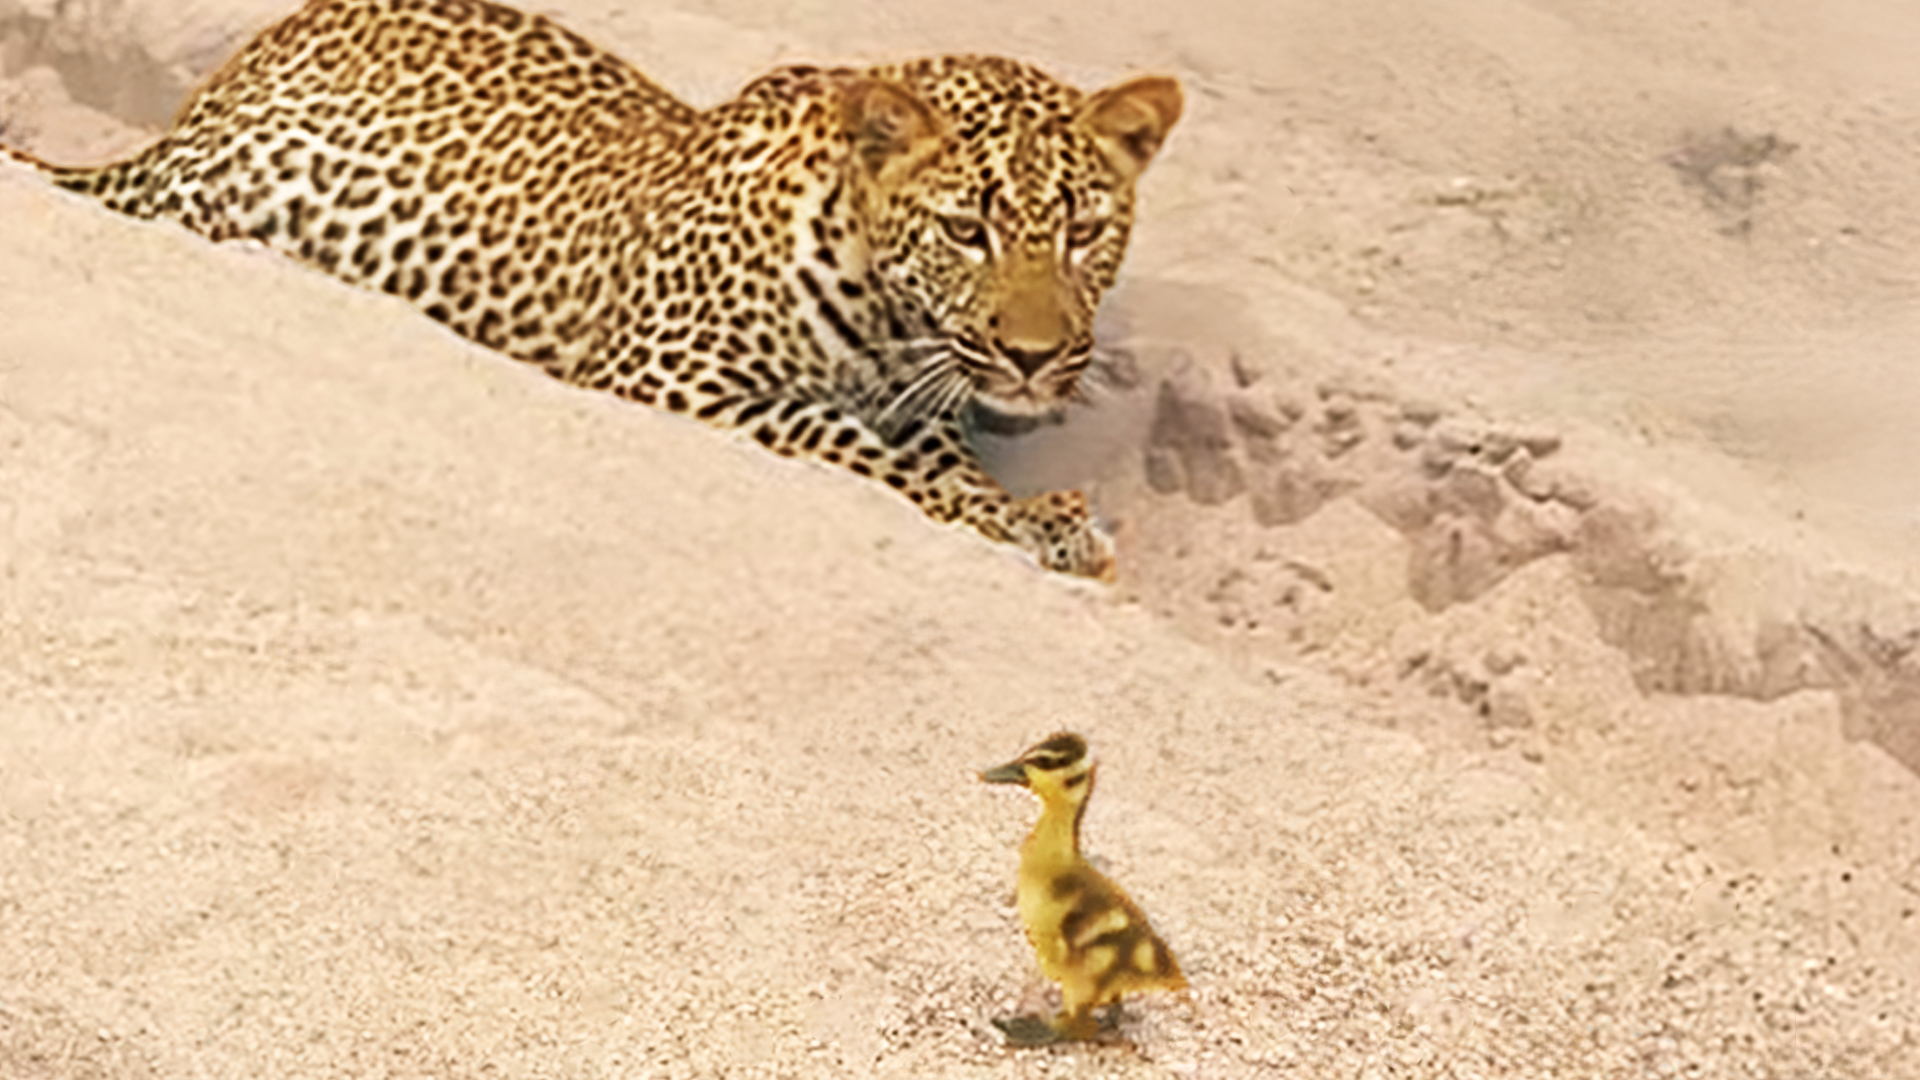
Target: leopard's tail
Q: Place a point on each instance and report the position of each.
(25, 158)
(130, 186)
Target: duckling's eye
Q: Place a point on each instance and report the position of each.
(964, 230)
(1082, 233)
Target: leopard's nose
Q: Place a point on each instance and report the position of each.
(1030, 360)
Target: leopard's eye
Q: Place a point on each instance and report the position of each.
(1082, 233)
(965, 231)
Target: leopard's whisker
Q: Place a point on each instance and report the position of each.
(906, 346)
(958, 390)
(937, 367)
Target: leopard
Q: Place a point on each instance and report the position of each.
(839, 263)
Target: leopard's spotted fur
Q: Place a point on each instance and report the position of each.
(836, 262)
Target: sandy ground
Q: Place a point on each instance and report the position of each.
(1505, 421)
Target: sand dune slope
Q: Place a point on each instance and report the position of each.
(375, 706)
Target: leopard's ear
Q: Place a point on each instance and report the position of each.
(1130, 120)
(893, 131)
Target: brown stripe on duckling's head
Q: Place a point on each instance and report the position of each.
(1057, 753)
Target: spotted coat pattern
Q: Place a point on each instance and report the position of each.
(836, 263)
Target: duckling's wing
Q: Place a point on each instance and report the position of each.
(1111, 948)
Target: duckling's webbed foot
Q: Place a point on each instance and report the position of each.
(1026, 1030)
(1069, 1026)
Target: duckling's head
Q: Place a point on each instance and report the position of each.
(1057, 769)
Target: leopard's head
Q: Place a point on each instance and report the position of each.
(998, 202)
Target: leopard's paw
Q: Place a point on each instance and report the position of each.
(1058, 530)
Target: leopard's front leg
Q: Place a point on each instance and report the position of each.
(933, 467)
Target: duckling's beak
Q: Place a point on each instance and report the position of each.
(1013, 772)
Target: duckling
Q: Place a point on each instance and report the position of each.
(1089, 937)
